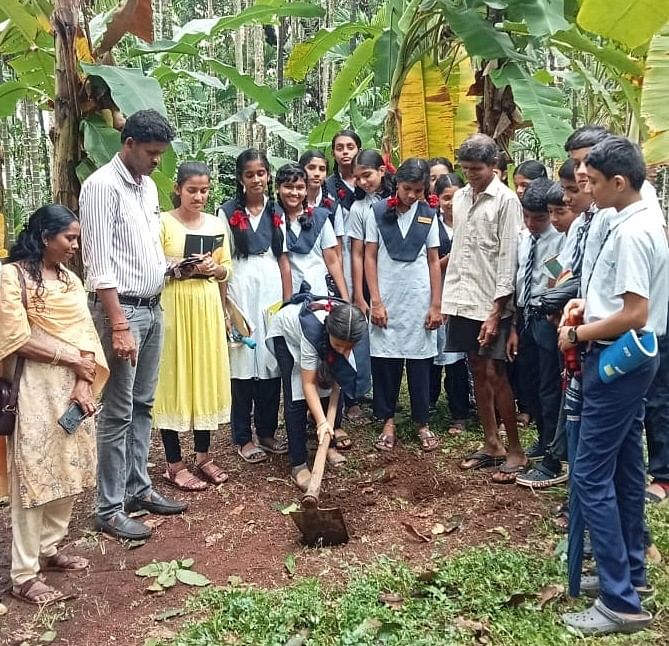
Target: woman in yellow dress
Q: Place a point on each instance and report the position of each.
(193, 392)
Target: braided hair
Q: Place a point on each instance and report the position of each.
(239, 234)
(44, 224)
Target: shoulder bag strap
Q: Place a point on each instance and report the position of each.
(18, 370)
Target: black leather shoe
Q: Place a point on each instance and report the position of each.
(156, 503)
(121, 525)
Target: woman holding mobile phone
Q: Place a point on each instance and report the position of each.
(64, 364)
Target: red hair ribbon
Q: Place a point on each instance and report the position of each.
(341, 193)
(326, 202)
(393, 202)
(433, 200)
(277, 221)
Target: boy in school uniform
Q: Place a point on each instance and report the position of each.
(625, 288)
(533, 332)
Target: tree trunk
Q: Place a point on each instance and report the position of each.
(67, 115)
(33, 175)
(238, 36)
(44, 153)
(260, 134)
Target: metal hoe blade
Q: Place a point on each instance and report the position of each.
(321, 527)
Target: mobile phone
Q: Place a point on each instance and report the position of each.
(72, 418)
(553, 266)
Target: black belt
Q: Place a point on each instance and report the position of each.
(135, 301)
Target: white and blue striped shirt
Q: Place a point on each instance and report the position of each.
(120, 232)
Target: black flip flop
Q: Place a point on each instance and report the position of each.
(483, 460)
(507, 470)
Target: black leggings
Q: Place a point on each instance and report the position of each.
(201, 439)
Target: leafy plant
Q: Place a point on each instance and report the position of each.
(166, 574)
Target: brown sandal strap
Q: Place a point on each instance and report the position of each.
(60, 562)
(193, 483)
(25, 592)
(212, 472)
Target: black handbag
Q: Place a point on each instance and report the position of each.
(9, 390)
(554, 299)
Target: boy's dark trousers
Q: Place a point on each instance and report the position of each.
(386, 381)
(262, 396)
(295, 412)
(456, 385)
(608, 478)
(657, 417)
(539, 364)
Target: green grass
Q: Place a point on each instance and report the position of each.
(475, 585)
(466, 599)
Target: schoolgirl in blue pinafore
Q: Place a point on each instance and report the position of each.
(261, 277)
(404, 279)
(310, 238)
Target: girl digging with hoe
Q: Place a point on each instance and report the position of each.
(317, 341)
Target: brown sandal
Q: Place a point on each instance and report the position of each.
(386, 442)
(60, 562)
(343, 442)
(457, 428)
(210, 471)
(38, 593)
(183, 479)
(428, 440)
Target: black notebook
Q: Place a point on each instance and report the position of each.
(197, 244)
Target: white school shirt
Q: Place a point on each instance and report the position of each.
(548, 246)
(286, 323)
(355, 228)
(600, 225)
(406, 293)
(254, 286)
(634, 258)
(567, 252)
(311, 266)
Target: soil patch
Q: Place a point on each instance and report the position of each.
(237, 530)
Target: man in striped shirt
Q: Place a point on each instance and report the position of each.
(125, 269)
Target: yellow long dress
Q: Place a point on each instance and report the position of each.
(193, 391)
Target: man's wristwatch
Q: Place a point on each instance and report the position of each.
(572, 335)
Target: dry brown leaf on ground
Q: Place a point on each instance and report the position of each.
(415, 533)
(392, 600)
(550, 593)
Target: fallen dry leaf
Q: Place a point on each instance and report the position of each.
(212, 539)
(454, 522)
(502, 531)
(237, 510)
(415, 533)
(518, 598)
(428, 576)
(391, 599)
(424, 513)
(154, 522)
(437, 529)
(550, 593)
(480, 629)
